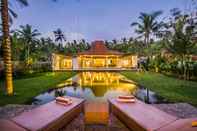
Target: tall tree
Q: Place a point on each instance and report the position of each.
(17, 47)
(7, 45)
(29, 36)
(11, 13)
(60, 38)
(147, 26)
(179, 35)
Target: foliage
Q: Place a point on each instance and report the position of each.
(60, 38)
(148, 25)
(29, 37)
(12, 13)
(179, 35)
(28, 48)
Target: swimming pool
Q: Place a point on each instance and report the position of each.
(96, 86)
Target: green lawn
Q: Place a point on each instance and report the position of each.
(173, 89)
(27, 88)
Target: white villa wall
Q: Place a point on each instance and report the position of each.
(75, 63)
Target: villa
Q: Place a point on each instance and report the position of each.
(97, 57)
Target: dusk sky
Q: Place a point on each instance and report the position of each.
(90, 19)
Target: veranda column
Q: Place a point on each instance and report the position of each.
(116, 61)
(106, 61)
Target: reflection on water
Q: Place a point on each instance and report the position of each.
(93, 86)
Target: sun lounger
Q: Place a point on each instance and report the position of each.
(51, 116)
(180, 125)
(7, 125)
(139, 116)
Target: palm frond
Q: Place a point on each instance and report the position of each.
(23, 2)
(12, 13)
(155, 14)
(134, 24)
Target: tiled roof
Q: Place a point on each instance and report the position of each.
(99, 48)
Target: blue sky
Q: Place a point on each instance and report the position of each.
(90, 19)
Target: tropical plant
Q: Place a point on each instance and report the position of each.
(60, 38)
(6, 45)
(29, 36)
(179, 36)
(17, 47)
(46, 47)
(11, 13)
(148, 25)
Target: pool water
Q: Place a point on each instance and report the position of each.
(97, 86)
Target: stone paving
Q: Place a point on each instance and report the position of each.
(12, 110)
(181, 110)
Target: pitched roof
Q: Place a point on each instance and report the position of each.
(99, 48)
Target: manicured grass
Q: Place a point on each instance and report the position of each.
(27, 88)
(175, 90)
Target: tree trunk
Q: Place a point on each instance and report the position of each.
(148, 40)
(184, 68)
(6, 47)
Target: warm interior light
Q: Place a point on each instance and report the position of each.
(93, 61)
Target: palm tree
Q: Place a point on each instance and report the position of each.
(11, 13)
(29, 36)
(59, 37)
(147, 25)
(6, 45)
(179, 38)
(17, 47)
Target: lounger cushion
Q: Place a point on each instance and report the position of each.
(7, 125)
(180, 125)
(51, 116)
(140, 116)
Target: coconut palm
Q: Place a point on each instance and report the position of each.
(17, 47)
(59, 35)
(60, 38)
(147, 25)
(6, 43)
(11, 12)
(29, 36)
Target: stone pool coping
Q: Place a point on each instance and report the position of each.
(180, 110)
